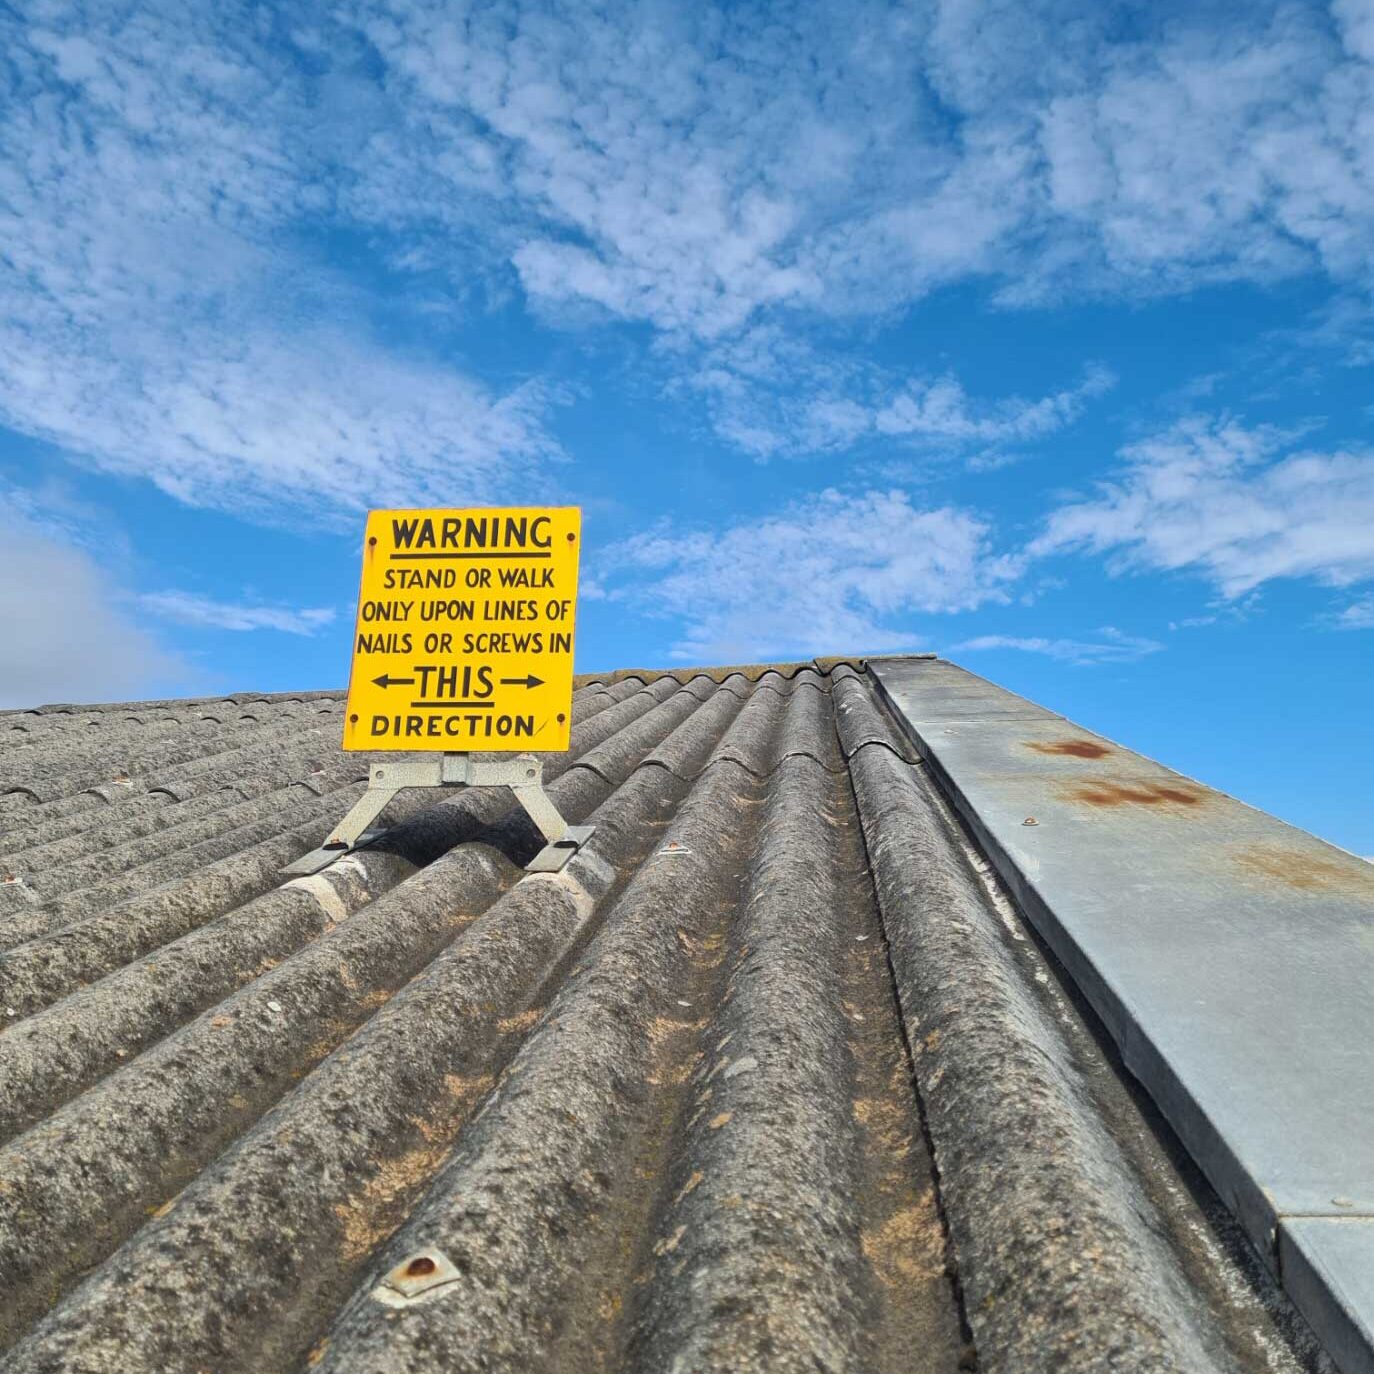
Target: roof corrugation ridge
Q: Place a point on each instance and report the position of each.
(750, 672)
(59, 778)
(658, 1107)
(799, 708)
(392, 932)
(774, 1119)
(90, 876)
(580, 1104)
(61, 946)
(209, 772)
(169, 703)
(41, 1065)
(76, 747)
(615, 1144)
(148, 907)
(292, 760)
(152, 841)
(134, 817)
(134, 749)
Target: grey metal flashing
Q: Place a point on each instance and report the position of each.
(1328, 1267)
(1229, 955)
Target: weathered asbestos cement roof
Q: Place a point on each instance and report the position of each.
(773, 1076)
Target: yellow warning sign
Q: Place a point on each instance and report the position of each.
(465, 630)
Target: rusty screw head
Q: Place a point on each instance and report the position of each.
(415, 1277)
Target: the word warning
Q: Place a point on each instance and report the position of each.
(465, 630)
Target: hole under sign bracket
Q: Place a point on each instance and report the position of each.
(522, 773)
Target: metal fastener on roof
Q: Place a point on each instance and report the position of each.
(416, 1277)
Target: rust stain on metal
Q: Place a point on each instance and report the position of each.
(1072, 748)
(1165, 794)
(1307, 872)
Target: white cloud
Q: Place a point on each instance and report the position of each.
(186, 608)
(942, 412)
(173, 176)
(1056, 154)
(1343, 325)
(65, 635)
(1212, 152)
(1359, 615)
(832, 573)
(278, 427)
(721, 172)
(673, 165)
(772, 394)
(1113, 647)
(1355, 21)
(1215, 498)
(160, 170)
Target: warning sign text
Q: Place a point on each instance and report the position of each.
(464, 637)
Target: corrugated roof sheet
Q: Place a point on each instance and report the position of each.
(772, 1076)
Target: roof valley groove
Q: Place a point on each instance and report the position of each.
(656, 1111)
(161, 1142)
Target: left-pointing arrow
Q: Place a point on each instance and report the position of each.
(385, 681)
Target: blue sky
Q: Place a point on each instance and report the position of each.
(1037, 335)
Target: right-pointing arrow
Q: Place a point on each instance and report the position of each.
(530, 681)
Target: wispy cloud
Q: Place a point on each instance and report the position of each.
(1112, 647)
(770, 394)
(1234, 504)
(1359, 615)
(170, 174)
(941, 412)
(186, 608)
(66, 635)
(310, 423)
(889, 153)
(160, 315)
(837, 571)
(1237, 506)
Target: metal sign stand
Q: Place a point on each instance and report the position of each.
(522, 773)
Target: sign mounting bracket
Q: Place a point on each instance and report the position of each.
(522, 773)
